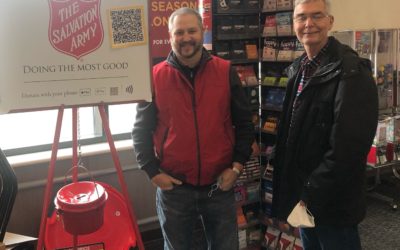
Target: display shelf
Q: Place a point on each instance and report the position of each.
(270, 108)
(252, 247)
(267, 132)
(229, 37)
(247, 202)
(276, 61)
(280, 225)
(236, 25)
(243, 61)
(237, 7)
(237, 12)
(279, 47)
(249, 224)
(275, 11)
(279, 36)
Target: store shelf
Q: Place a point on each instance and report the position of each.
(243, 61)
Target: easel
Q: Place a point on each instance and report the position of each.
(50, 176)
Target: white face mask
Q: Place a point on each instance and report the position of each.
(301, 217)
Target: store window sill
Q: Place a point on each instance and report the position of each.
(63, 154)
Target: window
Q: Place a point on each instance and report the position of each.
(34, 131)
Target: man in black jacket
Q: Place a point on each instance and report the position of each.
(328, 123)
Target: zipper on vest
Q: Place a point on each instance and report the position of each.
(162, 144)
(197, 137)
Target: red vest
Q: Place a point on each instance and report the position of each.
(194, 135)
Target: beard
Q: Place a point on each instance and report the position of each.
(189, 49)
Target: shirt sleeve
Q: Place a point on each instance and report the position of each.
(145, 123)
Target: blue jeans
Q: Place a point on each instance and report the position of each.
(180, 208)
(330, 238)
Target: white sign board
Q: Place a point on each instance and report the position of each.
(73, 53)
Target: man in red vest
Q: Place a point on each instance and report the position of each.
(194, 137)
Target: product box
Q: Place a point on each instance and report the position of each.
(271, 238)
(252, 26)
(242, 239)
(224, 27)
(266, 187)
(251, 170)
(240, 72)
(238, 24)
(286, 50)
(254, 236)
(253, 192)
(251, 80)
(236, 4)
(267, 210)
(363, 43)
(286, 242)
(284, 23)
(251, 213)
(268, 173)
(222, 49)
(283, 81)
(240, 192)
(268, 153)
(396, 136)
(298, 244)
(270, 81)
(251, 51)
(381, 132)
(270, 26)
(270, 124)
(238, 50)
(247, 77)
(299, 50)
(270, 50)
(252, 95)
(269, 5)
(284, 4)
(274, 98)
(252, 4)
(226, 6)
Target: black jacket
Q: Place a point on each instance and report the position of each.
(321, 159)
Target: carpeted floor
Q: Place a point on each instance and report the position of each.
(379, 231)
(157, 243)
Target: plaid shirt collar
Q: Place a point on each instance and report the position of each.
(309, 66)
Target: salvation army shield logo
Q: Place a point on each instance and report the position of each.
(75, 26)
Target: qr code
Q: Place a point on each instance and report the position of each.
(127, 26)
(113, 91)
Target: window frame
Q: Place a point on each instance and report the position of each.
(97, 125)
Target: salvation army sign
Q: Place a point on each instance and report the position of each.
(75, 26)
(73, 53)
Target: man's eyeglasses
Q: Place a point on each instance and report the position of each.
(315, 17)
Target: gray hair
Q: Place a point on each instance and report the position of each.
(184, 11)
(326, 2)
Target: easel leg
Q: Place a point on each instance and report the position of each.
(50, 177)
(118, 167)
(75, 144)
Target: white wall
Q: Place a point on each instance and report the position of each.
(365, 14)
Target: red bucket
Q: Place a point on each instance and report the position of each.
(81, 206)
